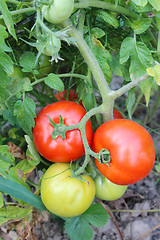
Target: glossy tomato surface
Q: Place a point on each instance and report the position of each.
(108, 191)
(63, 195)
(61, 150)
(131, 149)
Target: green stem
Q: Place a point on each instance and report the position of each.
(108, 6)
(21, 11)
(130, 85)
(94, 66)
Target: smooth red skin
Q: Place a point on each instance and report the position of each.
(59, 150)
(116, 114)
(131, 149)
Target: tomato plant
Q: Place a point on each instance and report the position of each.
(65, 195)
(60, 150)
(131, 148)
(58, 11)
(106, 190)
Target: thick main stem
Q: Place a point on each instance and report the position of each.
(106, 92)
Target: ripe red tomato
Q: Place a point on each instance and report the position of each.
(61, 150)
(70, 95)
(131, 150)
(116, 114)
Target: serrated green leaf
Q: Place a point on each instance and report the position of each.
(3, 36)
(141, 3)
(24, 111)
(96, 215)
(8, 115)
(146, 87)
(7, 18)
(54, 82)
(78, 228)
(4, 81)
(21, 193)
(88, 101)
(27, 61)
(155, 4)
(141, 59)
(139, 9)
(108, 18)
(115, 65)
(141, 25)
(97, 32)
(130, 101)
(6, 159)
(32, 150)
(14, 213)
(126, 49)
(155, 72)
(6, 62)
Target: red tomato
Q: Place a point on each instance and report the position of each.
(131, 150)
(116, 114)
(65, 95)
(61, 150)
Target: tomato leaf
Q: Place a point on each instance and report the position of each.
(130, 101)
(6, 159)
(126, 49)
(96, 215)
(24, 111)
(27, 61)
(78, 228)
(146, 87)
(155, 4)
(3, 36)
(141, 3)
(7, 18)
(108, 18)
(54, 82)
(141, 25)
(155, 72)
(18, 191)
(14, 213)
(6, 63)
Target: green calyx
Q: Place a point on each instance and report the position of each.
(59, 128)
(104, 156)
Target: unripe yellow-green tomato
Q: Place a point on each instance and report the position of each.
(64, 195)
(59, 11)
(106, 190)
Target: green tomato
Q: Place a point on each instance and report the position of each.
(51, 47)
(64, 195)
(107, 190)
(44, 66)
(59, 11)
(17, 73)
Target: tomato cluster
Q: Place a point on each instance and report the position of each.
(127, 144)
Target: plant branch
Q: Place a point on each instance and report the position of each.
(108, 6)
(21, 11)
(130, 85)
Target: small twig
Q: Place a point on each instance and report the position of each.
(148, 232)
(44, 234)
(115, 223)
